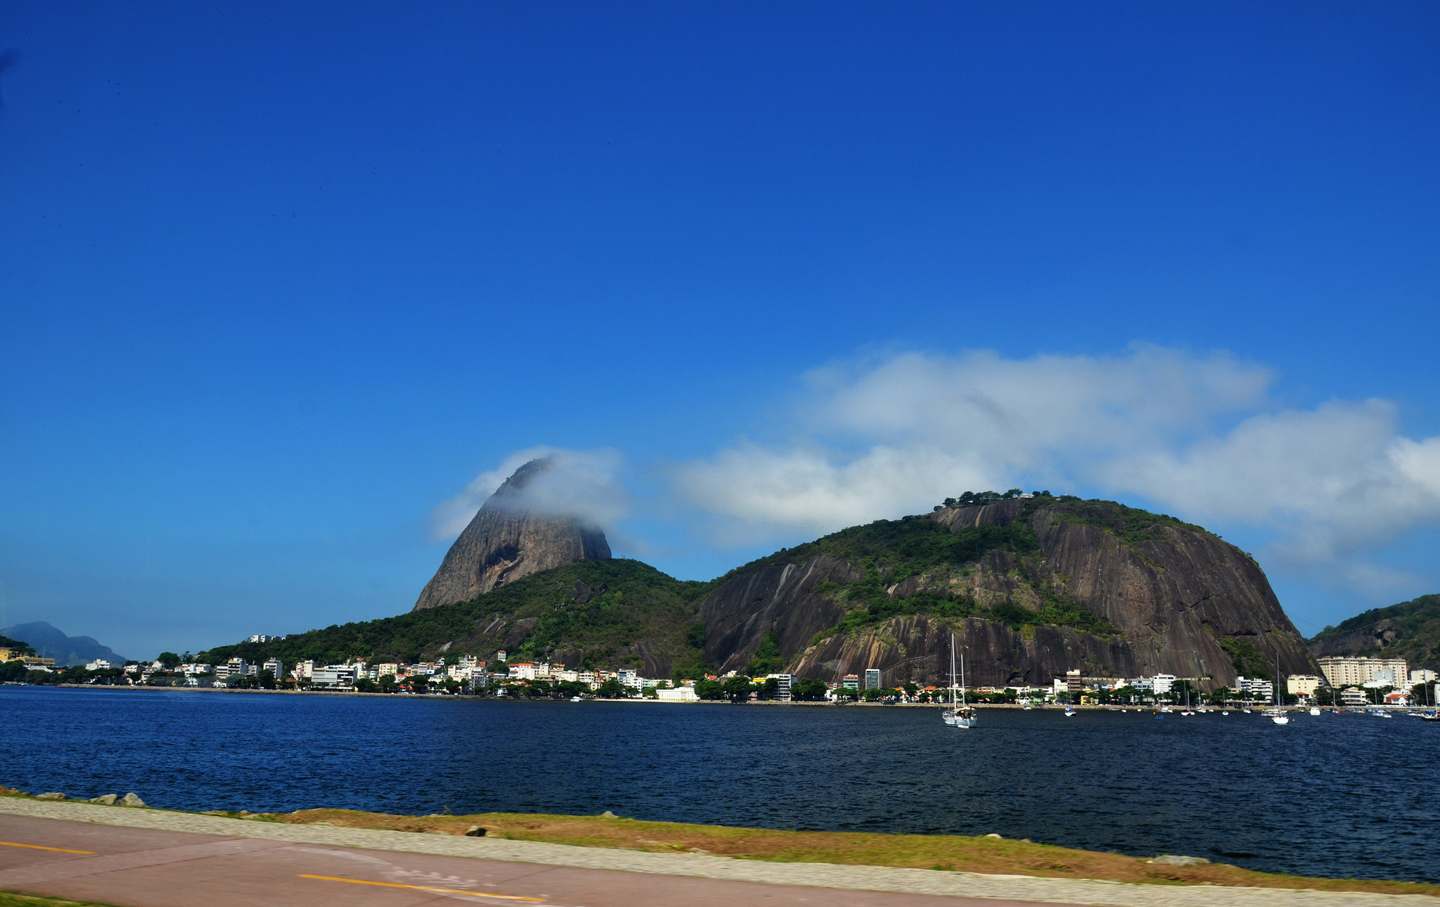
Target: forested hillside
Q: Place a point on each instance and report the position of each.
(1409, 630)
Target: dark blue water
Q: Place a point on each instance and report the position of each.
(1338, 795)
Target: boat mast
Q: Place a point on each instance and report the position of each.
(953, 688)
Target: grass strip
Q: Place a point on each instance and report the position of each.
(991, 856)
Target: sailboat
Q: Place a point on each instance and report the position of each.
(958, 714)
(1277, 712)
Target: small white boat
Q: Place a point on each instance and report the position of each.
(1069, 712)
(1315, 710)
(1276, 713)
(574, 698)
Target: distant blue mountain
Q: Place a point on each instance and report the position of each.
(66, 650)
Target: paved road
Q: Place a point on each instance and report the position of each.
(149, 868)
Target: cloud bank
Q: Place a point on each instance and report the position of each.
(580, 483)
(1199, 435)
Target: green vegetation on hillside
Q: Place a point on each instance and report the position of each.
(1415, 626)
(892, 551)
(638, 602)
(1245, 658)
(1131, 526)
(900, 549)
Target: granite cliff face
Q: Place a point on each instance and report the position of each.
(506, 541)
(1141, 594)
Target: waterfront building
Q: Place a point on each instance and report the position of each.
(872, 678)
(336, 677)
(1352, 696)
(275, 667)
(851, 682)
(785, 682)
(630, 679)
(1073, 682)
(1346, 670)
(522, 670)
(679, 694)
(1422, 675)
(1256, 687)
(391, 668)
(98, 664)
(1302, 684)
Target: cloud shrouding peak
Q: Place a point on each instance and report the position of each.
(1197, 434)
(581, 484)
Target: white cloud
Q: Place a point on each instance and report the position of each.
(1196, 434)
(581, 483)
(895, 435)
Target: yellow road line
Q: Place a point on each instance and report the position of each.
(38, 847)
(478, 894)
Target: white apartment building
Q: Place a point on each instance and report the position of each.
(782, 692)
(391, 668)
(630, 679)
(98, 664)
(1302, 684)
(679, 694)
(334, 676)
(1345, 670)
(275, 667)
(1422, 675)
(522, 670)
(1257, 688)
(1352, 696)
(1384, 677)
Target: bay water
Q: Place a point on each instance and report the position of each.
(1348, 795)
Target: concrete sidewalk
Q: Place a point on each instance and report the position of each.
(912, 882)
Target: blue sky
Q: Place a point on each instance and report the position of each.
(279, 282)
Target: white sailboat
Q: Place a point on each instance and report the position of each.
(1277, 712)
(958, 714)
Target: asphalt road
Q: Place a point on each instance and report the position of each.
(135, 867)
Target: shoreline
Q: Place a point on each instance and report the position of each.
(641, 699)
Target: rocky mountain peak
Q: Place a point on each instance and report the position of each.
(508, 539)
